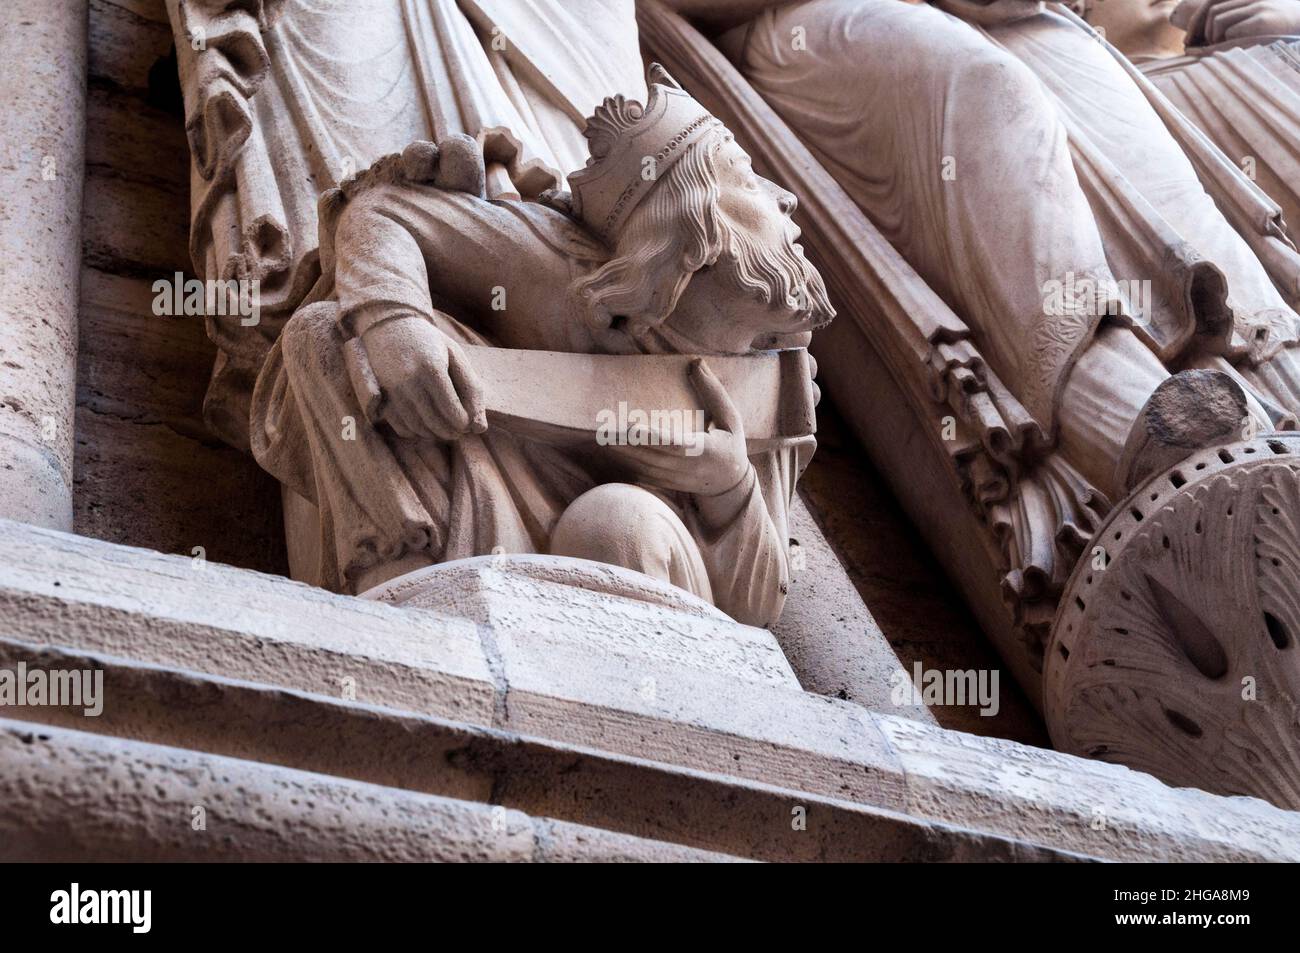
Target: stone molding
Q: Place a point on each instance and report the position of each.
(200, 653)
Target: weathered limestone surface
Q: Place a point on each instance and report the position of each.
(275, 631)
(169, 804)
(871, 401)
(147, 471)
(590, 619)
(78, 777)
(218, 660)
(1141, 652)
(42, 129)
(827, 632)
(127, 37)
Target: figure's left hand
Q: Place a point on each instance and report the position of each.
(455, 164)
(713, 463)
(1218, 21)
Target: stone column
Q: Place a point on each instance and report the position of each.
(42, 144)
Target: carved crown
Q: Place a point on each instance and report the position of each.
(623, 138)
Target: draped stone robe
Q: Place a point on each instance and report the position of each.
(1247, 99)
(285, 98)
(1004, 149)
(1003, 157)
(381, 499)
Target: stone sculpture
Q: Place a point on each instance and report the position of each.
(499, 708)
(285, 99)
(1231, 67)
(425, 273)
(1113, 295)
(1067, 302)
(463, 328)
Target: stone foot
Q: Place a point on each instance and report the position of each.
(1189, 411)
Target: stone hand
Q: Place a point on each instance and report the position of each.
(455, 163)
(430, 390)
(713, 462)
(1217, 21)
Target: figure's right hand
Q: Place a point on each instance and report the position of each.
(430, 390)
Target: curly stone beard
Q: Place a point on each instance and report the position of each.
(777, 274)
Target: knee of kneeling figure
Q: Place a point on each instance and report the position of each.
(614, 522)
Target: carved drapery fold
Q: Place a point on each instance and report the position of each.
(1254, 215)
(1247, 100)
(285, 98)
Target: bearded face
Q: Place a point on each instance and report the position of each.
(718, 241)
(760, 254)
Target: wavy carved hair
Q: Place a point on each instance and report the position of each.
(675, 232)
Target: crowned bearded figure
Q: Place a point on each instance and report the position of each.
(372, 410)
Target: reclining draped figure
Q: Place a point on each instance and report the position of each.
(1088, 315)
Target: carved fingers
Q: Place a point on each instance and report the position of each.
(1223, 20)
(1267, 18)
(420, 161)
(717, 402)
(429, 387)
(455, 163)
(461, 167)
(708, 461)
(1219, 16)
(447, 397)
(468, 390)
